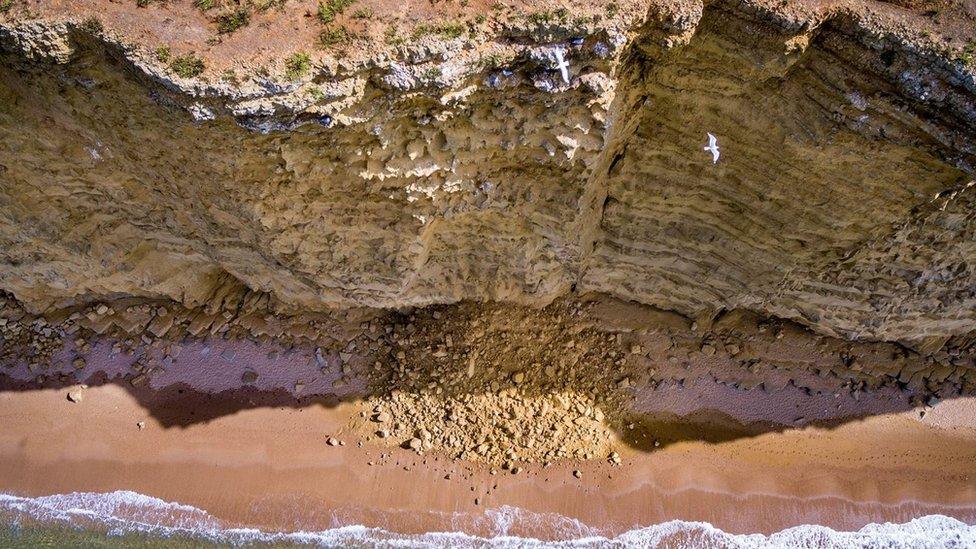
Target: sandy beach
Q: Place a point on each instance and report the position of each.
(271, 468)
(751, 426)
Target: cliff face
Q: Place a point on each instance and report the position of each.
(466, 168)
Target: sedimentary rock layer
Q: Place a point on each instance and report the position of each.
(466, 168)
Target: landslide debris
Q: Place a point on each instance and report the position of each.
(502, 385)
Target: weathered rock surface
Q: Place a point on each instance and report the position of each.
(465, 168)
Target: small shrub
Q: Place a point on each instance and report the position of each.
(612, 9)
(204, 5)
(363, 13)
(444, 30)
(265, 5)
(297, 65)
(330, 9)
(333, 36)
(391, 36)
(548, 17)
(968, 54)
(316, 94)
(92, 25)
(5, 5)
(230, 22)
(492, 61)
(187, 66)
(163, 54)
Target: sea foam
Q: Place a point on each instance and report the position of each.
(124, 512)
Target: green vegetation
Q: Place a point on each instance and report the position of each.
(444, 30)
(204, 5)
(187, 66)
(297, 65)
(363, 13)
(163, 54)
(548, 17)
(432, 73)
(492, 61)
(612, 9)
(5, 5)
(92, 25)
(316, 94)
(230, 22)
(391, 36)
(333, 36)
(329, 9)
(968, 53)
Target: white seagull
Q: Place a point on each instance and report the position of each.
(562, 65)
(713, 147)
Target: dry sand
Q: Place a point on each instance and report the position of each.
(749, 424)
(271, 468)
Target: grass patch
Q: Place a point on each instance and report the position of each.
(5, 5)
(548, 17)
(205, 5)
(187, 66)
(333, 36)
(297, 65)
(363, 13)
(92, 25)
(316, 94)
(968, 54)
(330, 9)
(230, 22)
(163, 54)
(391, 36)
(446, 31)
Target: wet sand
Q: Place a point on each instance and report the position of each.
(271, 468)
(753, 426)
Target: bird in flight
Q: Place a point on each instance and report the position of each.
(562, 65)
(713, 147)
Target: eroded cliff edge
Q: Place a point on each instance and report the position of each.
(410, 168)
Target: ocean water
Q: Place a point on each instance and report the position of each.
(128, 519)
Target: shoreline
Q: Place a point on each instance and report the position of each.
(750, 425)
(270, 468)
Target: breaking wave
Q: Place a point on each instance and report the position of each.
(121, 513)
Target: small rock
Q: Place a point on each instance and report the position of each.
(76, 395)
(331, 441)
(141, 425)
(577, 473)
(249, 377)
